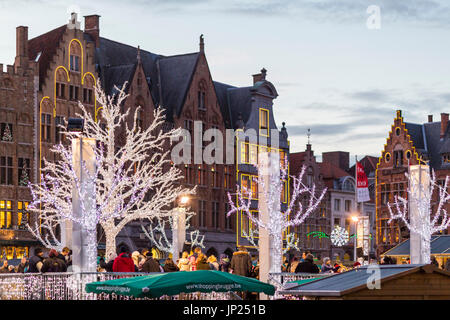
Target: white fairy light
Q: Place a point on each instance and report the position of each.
(124, 174)
(439, 220)
(339, 236)
(304, 201)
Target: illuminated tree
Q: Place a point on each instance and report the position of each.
(304, 201)
(134, 178)
(420, 196)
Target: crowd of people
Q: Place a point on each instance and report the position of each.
(54, 262)
(241, 263)
(143, 261)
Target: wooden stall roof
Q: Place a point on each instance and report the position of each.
(354, 280)
(440, 245)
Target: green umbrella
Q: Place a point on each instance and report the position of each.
(172, 283)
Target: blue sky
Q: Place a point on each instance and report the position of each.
(333, 74)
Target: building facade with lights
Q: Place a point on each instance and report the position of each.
(408, 143)
(61, 68)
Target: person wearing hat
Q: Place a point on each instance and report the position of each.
(53, 263)
(307, 266)
(224, 264)
(36, 261)
(123, 262)
(150, 264)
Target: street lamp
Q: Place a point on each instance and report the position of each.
(179, 227)
(355, 220)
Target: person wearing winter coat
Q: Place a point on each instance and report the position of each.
(294, 264)
(123, 263)
(241, 263)
(150, 264)
(36, 261)
(434, 261)
(307, 266)
(183, 263)
(53, 263)
(169, 266)
(23, 265)
(224, 264)
(326, 266)
(212, 260)
(201, 263)
(4, 267)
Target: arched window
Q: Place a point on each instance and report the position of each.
(75, 56)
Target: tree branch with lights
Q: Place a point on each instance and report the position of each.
(134, 178)
(431, 223)
(304, 201)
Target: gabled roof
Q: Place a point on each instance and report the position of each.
(415, 131)
(224, 104)
(118, 57)
(440, 244)
(355, 280)
(46, 44)
(176, 74)
(116, 76)
(436, 146)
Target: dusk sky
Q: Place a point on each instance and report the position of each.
(333, 74)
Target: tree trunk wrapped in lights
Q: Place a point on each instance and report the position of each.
(279, 221)
(125, 175)
(417, 214)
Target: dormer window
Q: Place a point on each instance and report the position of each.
(264, 122)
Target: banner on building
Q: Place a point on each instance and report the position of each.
(362, 184)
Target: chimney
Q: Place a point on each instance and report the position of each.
(430, 118)
(444, 122)
(92, 27)
(260, 76)
(21, 47)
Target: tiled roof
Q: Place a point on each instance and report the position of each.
(45, 44)
(415, 131)
(329, 171)
(295, 162)
(176, 74)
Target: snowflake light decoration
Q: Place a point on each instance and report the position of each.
(339, 236)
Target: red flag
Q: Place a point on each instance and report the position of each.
(362, 184)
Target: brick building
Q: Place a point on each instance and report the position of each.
(318, 221)
(407, 143)
(17, 160)
(59, 68)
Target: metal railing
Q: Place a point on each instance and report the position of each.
(71, 286)
(279, 280)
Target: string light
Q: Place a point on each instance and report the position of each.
(279, 221)
(122, 176)
(427, 227)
